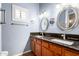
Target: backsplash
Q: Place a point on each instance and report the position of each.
(72, 36)
(57, 35)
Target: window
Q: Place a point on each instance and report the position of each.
(19, 14)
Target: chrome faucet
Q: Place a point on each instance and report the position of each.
(64, 36)
(42, 34)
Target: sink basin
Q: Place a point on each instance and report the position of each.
(39, 36)
(63, 41)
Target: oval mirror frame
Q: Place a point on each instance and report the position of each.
(44, 23)
(75, 22)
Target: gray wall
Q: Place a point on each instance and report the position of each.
(53, 12)
(15, 38)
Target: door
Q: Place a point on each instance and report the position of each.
(38, 49)
(46, 52)
(33, 46)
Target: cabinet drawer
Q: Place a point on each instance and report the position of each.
(45, 44)
(38, 41)
(55, 48)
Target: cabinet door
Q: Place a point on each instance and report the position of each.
(33, 46)
(43, 51)
(46, 52)
(38, 49)
(56, 49)
(33, 42)
(49, 53)
(69, 52)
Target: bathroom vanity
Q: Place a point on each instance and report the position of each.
(67, 20)
(45, 47)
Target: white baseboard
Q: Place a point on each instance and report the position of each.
(19, 54)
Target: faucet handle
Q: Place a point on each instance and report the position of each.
(63, 36)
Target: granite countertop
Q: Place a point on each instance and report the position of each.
(74, 46)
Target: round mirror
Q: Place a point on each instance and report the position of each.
(44, 24)
(67, 19)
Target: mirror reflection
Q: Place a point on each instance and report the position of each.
(67, 19)
(44, 24)
(71, 17)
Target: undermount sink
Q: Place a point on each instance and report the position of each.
(39, 36)
(45, 38)
(63, 41)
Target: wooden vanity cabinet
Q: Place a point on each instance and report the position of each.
(45, 48)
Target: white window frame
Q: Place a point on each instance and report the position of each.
(19, 18)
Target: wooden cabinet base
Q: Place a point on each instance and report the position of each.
(44, 48)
